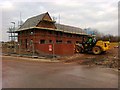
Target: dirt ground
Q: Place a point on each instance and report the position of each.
(77, 71)
(20, 73)
(110, 59)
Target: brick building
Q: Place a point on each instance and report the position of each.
(43, 35)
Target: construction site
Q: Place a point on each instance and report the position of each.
(53, 55)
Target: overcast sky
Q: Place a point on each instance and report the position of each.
(99, 14)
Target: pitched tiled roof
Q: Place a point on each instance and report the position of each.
(70, 29)
(33, 21)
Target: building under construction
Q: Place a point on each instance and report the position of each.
(43, 35)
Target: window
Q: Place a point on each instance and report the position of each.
(50, 41)
(58, 41)
(78, 42)
(68, 42)
(42, 41)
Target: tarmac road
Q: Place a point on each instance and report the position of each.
(17, 73)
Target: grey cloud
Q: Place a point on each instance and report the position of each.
(99, 15)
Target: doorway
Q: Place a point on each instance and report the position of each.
(26, 43)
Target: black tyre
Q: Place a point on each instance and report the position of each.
(78, 49)
(96, 50)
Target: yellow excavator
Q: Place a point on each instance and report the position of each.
(96, 47)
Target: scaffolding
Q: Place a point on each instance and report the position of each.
(12, 34)
(12, 38)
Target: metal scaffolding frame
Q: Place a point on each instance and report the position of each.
(12, 37)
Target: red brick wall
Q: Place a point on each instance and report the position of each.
(57, 49)
(64, 49)
(44, 48)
